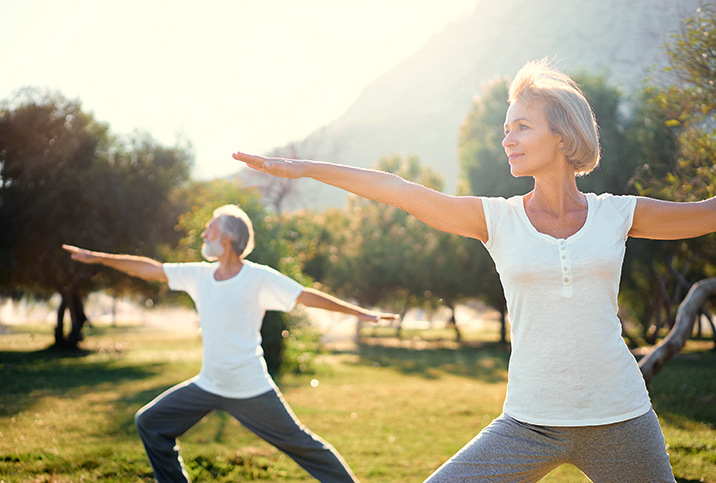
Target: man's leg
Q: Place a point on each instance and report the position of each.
(168, 416)
(269, 417)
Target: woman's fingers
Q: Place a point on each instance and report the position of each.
(252, 161)
(283, 168)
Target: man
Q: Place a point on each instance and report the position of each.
(231, 296)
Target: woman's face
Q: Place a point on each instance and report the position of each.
(531, 147)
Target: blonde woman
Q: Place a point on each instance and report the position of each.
(575, 393)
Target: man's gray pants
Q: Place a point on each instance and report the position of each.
(268, 415)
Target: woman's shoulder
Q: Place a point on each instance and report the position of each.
(612, 200)
(501, 201)
(610, 208)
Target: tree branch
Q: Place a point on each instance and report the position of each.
(672, 344)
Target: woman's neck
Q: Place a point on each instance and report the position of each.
(556, 209)
(556, 195)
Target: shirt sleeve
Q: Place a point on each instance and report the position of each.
(623, 207)
(278, 292)
(183, 276)
(488, 222)
(630, 202)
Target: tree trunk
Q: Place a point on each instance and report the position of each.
(72, 301)
(672, 344)
(60, 327)
(503, 322)
(399, 331)
(453, 322)
(77, 312)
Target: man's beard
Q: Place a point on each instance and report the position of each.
(212, 250)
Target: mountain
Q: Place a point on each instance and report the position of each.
(418, 106)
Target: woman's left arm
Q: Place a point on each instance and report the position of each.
(669, 220)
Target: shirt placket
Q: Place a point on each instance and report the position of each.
(566, 269)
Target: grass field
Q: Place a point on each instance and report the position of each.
(395, 413)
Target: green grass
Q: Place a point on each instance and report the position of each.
(395, 413)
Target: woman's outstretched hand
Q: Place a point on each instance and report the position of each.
(283, 168)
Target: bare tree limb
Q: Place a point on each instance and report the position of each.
(672, 344)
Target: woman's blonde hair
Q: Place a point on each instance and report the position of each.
(567, 111)
(234, 222)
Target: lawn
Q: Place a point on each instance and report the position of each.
(395, 413)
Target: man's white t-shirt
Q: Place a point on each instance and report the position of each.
(231, 312)
(569, 364)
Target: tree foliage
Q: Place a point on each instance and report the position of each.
(65, 179)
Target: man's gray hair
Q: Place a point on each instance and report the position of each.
(234, 222)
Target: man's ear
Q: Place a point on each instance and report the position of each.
(225, 239)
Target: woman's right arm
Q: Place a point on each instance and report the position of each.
(462, 215)
(140, 267)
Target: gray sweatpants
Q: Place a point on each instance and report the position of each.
(268, 415)
(508, 450)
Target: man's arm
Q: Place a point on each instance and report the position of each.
(140, 267)
(320, 300)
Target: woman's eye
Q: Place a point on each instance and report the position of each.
(523, 127)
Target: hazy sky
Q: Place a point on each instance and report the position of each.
(227, 75)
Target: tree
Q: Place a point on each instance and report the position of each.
(65, 179)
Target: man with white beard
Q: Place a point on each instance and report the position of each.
(231, 295)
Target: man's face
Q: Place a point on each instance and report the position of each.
(212, 247)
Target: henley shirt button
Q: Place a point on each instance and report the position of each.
(563, 248)
(564, 257)
(565, 269)
(566, 280)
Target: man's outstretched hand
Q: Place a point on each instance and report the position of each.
(377, 317)
(82, 255)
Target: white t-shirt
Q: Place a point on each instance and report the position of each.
(569, 364)
(231, 312)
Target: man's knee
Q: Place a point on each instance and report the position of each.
(142, 419)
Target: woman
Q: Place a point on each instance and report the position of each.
(575, 393)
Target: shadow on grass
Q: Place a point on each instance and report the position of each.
(685, 389)
(486, 362)
(29, 376)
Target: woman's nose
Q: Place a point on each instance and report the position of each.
(507, 141)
